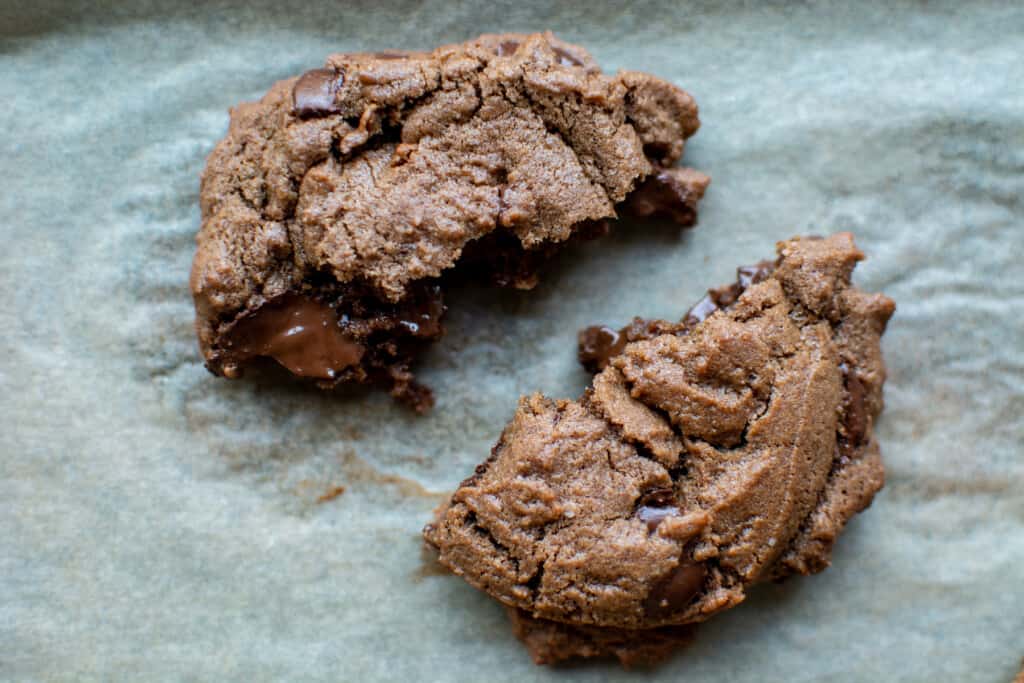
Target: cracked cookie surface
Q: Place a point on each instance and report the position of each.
(339, 200)
(706, 456)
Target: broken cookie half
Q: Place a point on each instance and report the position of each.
(707, 455)
(337, 206)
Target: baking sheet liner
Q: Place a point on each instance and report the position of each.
(160, 524)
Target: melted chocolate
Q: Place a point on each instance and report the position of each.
(314, 93)
(715, 300)
(298, 332)
(422, 317)
(675, 591)
(723, 297)
(500, 258)
(598, 344)
(661, 195)
(346, 332)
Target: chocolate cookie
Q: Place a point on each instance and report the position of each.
(708, 455)
(336, 203)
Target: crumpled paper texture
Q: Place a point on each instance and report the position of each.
(157, 523)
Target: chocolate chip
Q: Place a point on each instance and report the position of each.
(298, 332)
(725, 296)
(314, 93)
(751, 275)
(675, 591)
(599, 344)
(701, 311)
(654, 506)
(566, 59)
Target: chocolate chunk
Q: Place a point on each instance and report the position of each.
(499, 258)
(566, 59)
(597, 345)
(314, 92)
(674, 592)
(422, 318)
(300, 333)
(656, 505)
(714, 300)
(725, 296)
(701, 310)
(751, 275)
(418, 315)
(345, 326)
(662, 195)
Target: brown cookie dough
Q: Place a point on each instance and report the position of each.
(551, 642)
(336, 203)
(715, 453)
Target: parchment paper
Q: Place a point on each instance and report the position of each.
(157, 523)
